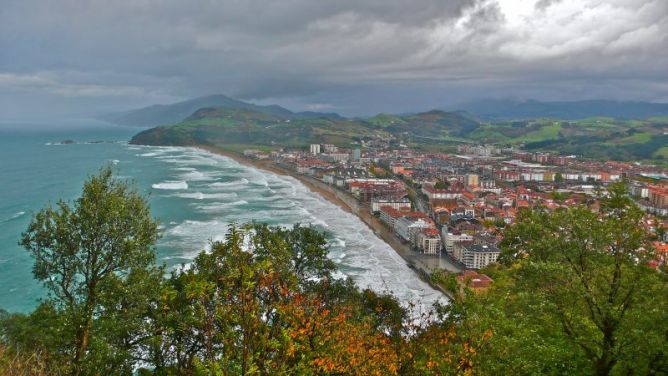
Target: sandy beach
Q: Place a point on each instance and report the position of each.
(421, 264)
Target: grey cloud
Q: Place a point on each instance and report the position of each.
(349, 54)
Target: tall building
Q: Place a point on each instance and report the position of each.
(315, 149)
(472, 180)
(357, 155)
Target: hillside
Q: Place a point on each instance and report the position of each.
(431, 124)
(161, 114)
(596, 137)
(503, 109)
(249, 127)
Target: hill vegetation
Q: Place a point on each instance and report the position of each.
(592, 129)
(598, 138)
(504, 109)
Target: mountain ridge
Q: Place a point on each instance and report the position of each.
(168, 114)
(508, 109)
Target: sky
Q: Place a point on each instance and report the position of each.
(68, 58)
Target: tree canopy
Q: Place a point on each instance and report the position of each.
(575, 295)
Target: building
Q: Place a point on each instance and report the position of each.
(658, 196)
(406, 227)
(474, 280)
(390, 215)
(429, 241)
(336, 157)
(367, 189)
(357, 155)
(476, 256)
(398, 203)
(472, 180)
(440, 194)
(329, 148)
(315, 149)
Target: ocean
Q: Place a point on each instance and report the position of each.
(194, 194)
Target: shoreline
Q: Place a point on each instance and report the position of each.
(346, 202)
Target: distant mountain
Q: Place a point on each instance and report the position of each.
(160, 114)
(226, 126)
(503, 109)
(219, 125)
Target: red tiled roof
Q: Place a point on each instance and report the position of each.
(474, 279)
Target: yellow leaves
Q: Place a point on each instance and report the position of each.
(487, 334)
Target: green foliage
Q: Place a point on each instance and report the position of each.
(442, 184)
(571, 296)
(249, 306)
(95, 256)
(575, 296)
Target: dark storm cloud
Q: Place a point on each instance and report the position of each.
(349, 55)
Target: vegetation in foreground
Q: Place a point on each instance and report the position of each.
(573, 296)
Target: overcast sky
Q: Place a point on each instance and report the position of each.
(75, 58)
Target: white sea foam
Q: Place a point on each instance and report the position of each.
(13, 216)
(196, 175)
(242, 181)
(206, 196)
(218, 206)
(152, 154)
(171, 185)
(194, 236)
(282, 200)
(260, 182)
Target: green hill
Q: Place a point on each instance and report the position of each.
(596, 137)
(220, 126)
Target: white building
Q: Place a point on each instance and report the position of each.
(315, 149)
(407, 227)
(450, 239)
(428, 241)
(398, 204)
(478, 256)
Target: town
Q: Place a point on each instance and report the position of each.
(447, 210)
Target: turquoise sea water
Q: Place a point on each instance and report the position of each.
(193, 193)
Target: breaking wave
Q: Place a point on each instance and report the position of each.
(170, 185)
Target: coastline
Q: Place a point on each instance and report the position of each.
(345, 202)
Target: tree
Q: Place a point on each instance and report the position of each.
(264, 302)
(586, 273)
(442, 184)
(96, 258)
(558, 178)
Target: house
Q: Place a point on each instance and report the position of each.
(474, 280)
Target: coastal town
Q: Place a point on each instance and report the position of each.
(446, 212)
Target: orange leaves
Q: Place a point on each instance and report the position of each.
(334, 341)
